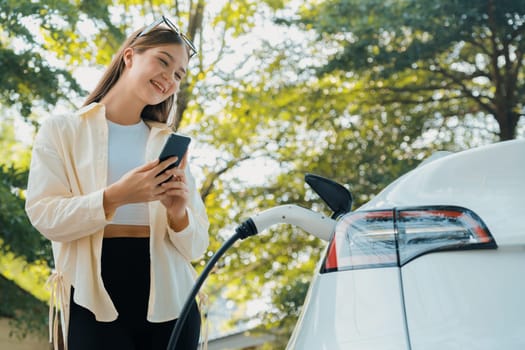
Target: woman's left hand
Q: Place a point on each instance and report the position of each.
(175, 197)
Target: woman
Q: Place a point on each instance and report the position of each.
(122, 238)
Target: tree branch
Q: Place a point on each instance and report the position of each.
(515, 33)
(515, 72)
(466, 90)
(209, 183)
(194, 24)
(519, 63)
(410, 89)
(422, 101)
(495, 50)
(479, 45)
(221, 48)
(508, 71)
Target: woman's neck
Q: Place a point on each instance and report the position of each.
(121, 106)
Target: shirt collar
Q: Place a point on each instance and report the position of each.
(157, 125)
(96, 108)
(91, 109)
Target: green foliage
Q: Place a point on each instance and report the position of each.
(339, 125)
(27, 77)
(455, 58)
(18, 238)
(26, 311)
(288, 300)
(16, 233)
(27, 314)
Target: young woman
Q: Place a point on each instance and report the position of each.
(123, 236)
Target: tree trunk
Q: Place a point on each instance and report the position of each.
(184, 94)
(507, 125)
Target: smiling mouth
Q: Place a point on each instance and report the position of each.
(158, 86)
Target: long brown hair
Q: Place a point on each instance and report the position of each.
(156, 37)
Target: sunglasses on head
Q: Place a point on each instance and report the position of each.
(165, 20)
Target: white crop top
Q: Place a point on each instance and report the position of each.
(126, 151)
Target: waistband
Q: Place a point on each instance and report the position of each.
(134, 231)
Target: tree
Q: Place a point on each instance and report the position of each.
(67, 43)
(269, 107)
(26, 313)
(303, 123)
(18, 239)
(16, 233)
(450, 58)
(26, 75)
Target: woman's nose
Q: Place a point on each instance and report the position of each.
(169, 80)
(166, 77)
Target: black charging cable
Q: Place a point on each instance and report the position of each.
(244, 230)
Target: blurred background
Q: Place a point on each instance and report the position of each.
(356, 91)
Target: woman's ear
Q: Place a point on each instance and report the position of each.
(128, 57)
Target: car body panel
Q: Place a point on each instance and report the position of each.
(359, 309)
(466, 300)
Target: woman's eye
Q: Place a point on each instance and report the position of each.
(163, 62)
(177, 76)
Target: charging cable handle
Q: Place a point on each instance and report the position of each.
(312, 222)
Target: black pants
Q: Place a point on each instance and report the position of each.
(126, 276)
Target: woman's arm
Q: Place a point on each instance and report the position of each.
(193, 240)
(50, 204)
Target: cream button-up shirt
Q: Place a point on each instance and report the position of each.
(67, 177)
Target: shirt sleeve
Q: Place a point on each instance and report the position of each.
(50, 204)
(193, 240)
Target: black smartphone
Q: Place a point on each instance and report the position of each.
(175, 146)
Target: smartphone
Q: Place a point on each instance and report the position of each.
(175, 146)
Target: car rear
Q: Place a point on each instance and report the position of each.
(433, 262)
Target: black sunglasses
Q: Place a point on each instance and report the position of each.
(172, 26)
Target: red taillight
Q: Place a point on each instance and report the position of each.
(362, 239)
(331, 257)
(395, 237)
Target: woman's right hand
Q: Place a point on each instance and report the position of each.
(139, 185)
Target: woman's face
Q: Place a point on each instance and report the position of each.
(155, 74)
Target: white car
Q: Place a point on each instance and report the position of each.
(435, 261)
